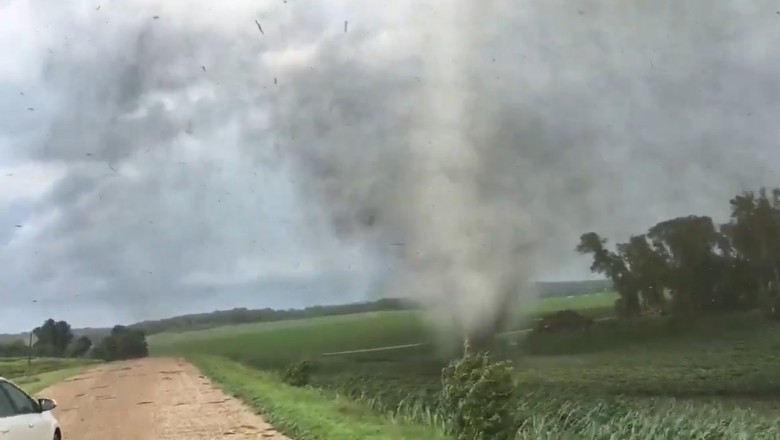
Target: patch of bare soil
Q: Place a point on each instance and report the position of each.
(152, 399)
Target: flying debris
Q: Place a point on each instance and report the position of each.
(346, 23)
(274, 80)
(156, 17)
(18, 226)
(32, 109)
(98, 8)
(203, 67)
(259, 27)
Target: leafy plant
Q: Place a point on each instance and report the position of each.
(298, 374)
(479, 395)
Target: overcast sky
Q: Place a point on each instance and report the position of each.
(143, 162)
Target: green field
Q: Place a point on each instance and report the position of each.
(294, 339)
(716, 378)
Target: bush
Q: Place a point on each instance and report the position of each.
(479, 394)
(123, 343)
(298, 374)
(568, 320)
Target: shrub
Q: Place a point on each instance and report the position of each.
(564, 320)
(479, 394)
(298, 374)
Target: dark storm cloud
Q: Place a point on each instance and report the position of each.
(585, 116)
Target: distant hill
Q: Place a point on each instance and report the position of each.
(218, 318)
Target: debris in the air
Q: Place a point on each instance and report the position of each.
(346, 23)
(18, 226)
(89, 154)
(21, 93)
(259, 27)
(98, 8)
(32, 109)
(112, 168)
(156, 17)
(203, 67)
(274, 80)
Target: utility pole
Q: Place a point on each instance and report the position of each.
(29, 354)
(30, 341)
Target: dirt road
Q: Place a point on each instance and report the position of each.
(151, 399)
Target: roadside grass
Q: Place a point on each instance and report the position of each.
(44, 372)
(12, 368)
(35, 384)
(305, 413)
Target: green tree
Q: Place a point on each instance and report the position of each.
(80, 347)
(689, 246)
(648, 268)
(614, 267)
(16, 348)
(754, 233)
(53, 338)
(122, 343)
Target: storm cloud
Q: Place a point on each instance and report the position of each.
(169, 160)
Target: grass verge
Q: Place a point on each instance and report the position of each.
(305, 413)
(17, 367)
(35, 384)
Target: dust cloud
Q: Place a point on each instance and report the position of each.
(446, 151)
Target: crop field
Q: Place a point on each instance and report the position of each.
(652, 378)
(294, 339)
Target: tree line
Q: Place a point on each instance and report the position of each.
(690, 265)
(56, 339)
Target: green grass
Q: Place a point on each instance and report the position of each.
(35, 384)
(595, 305)
(304, 413)
(43, 372)
(277, 344)
(12, 368)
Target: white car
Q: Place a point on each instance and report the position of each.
(24, 418)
